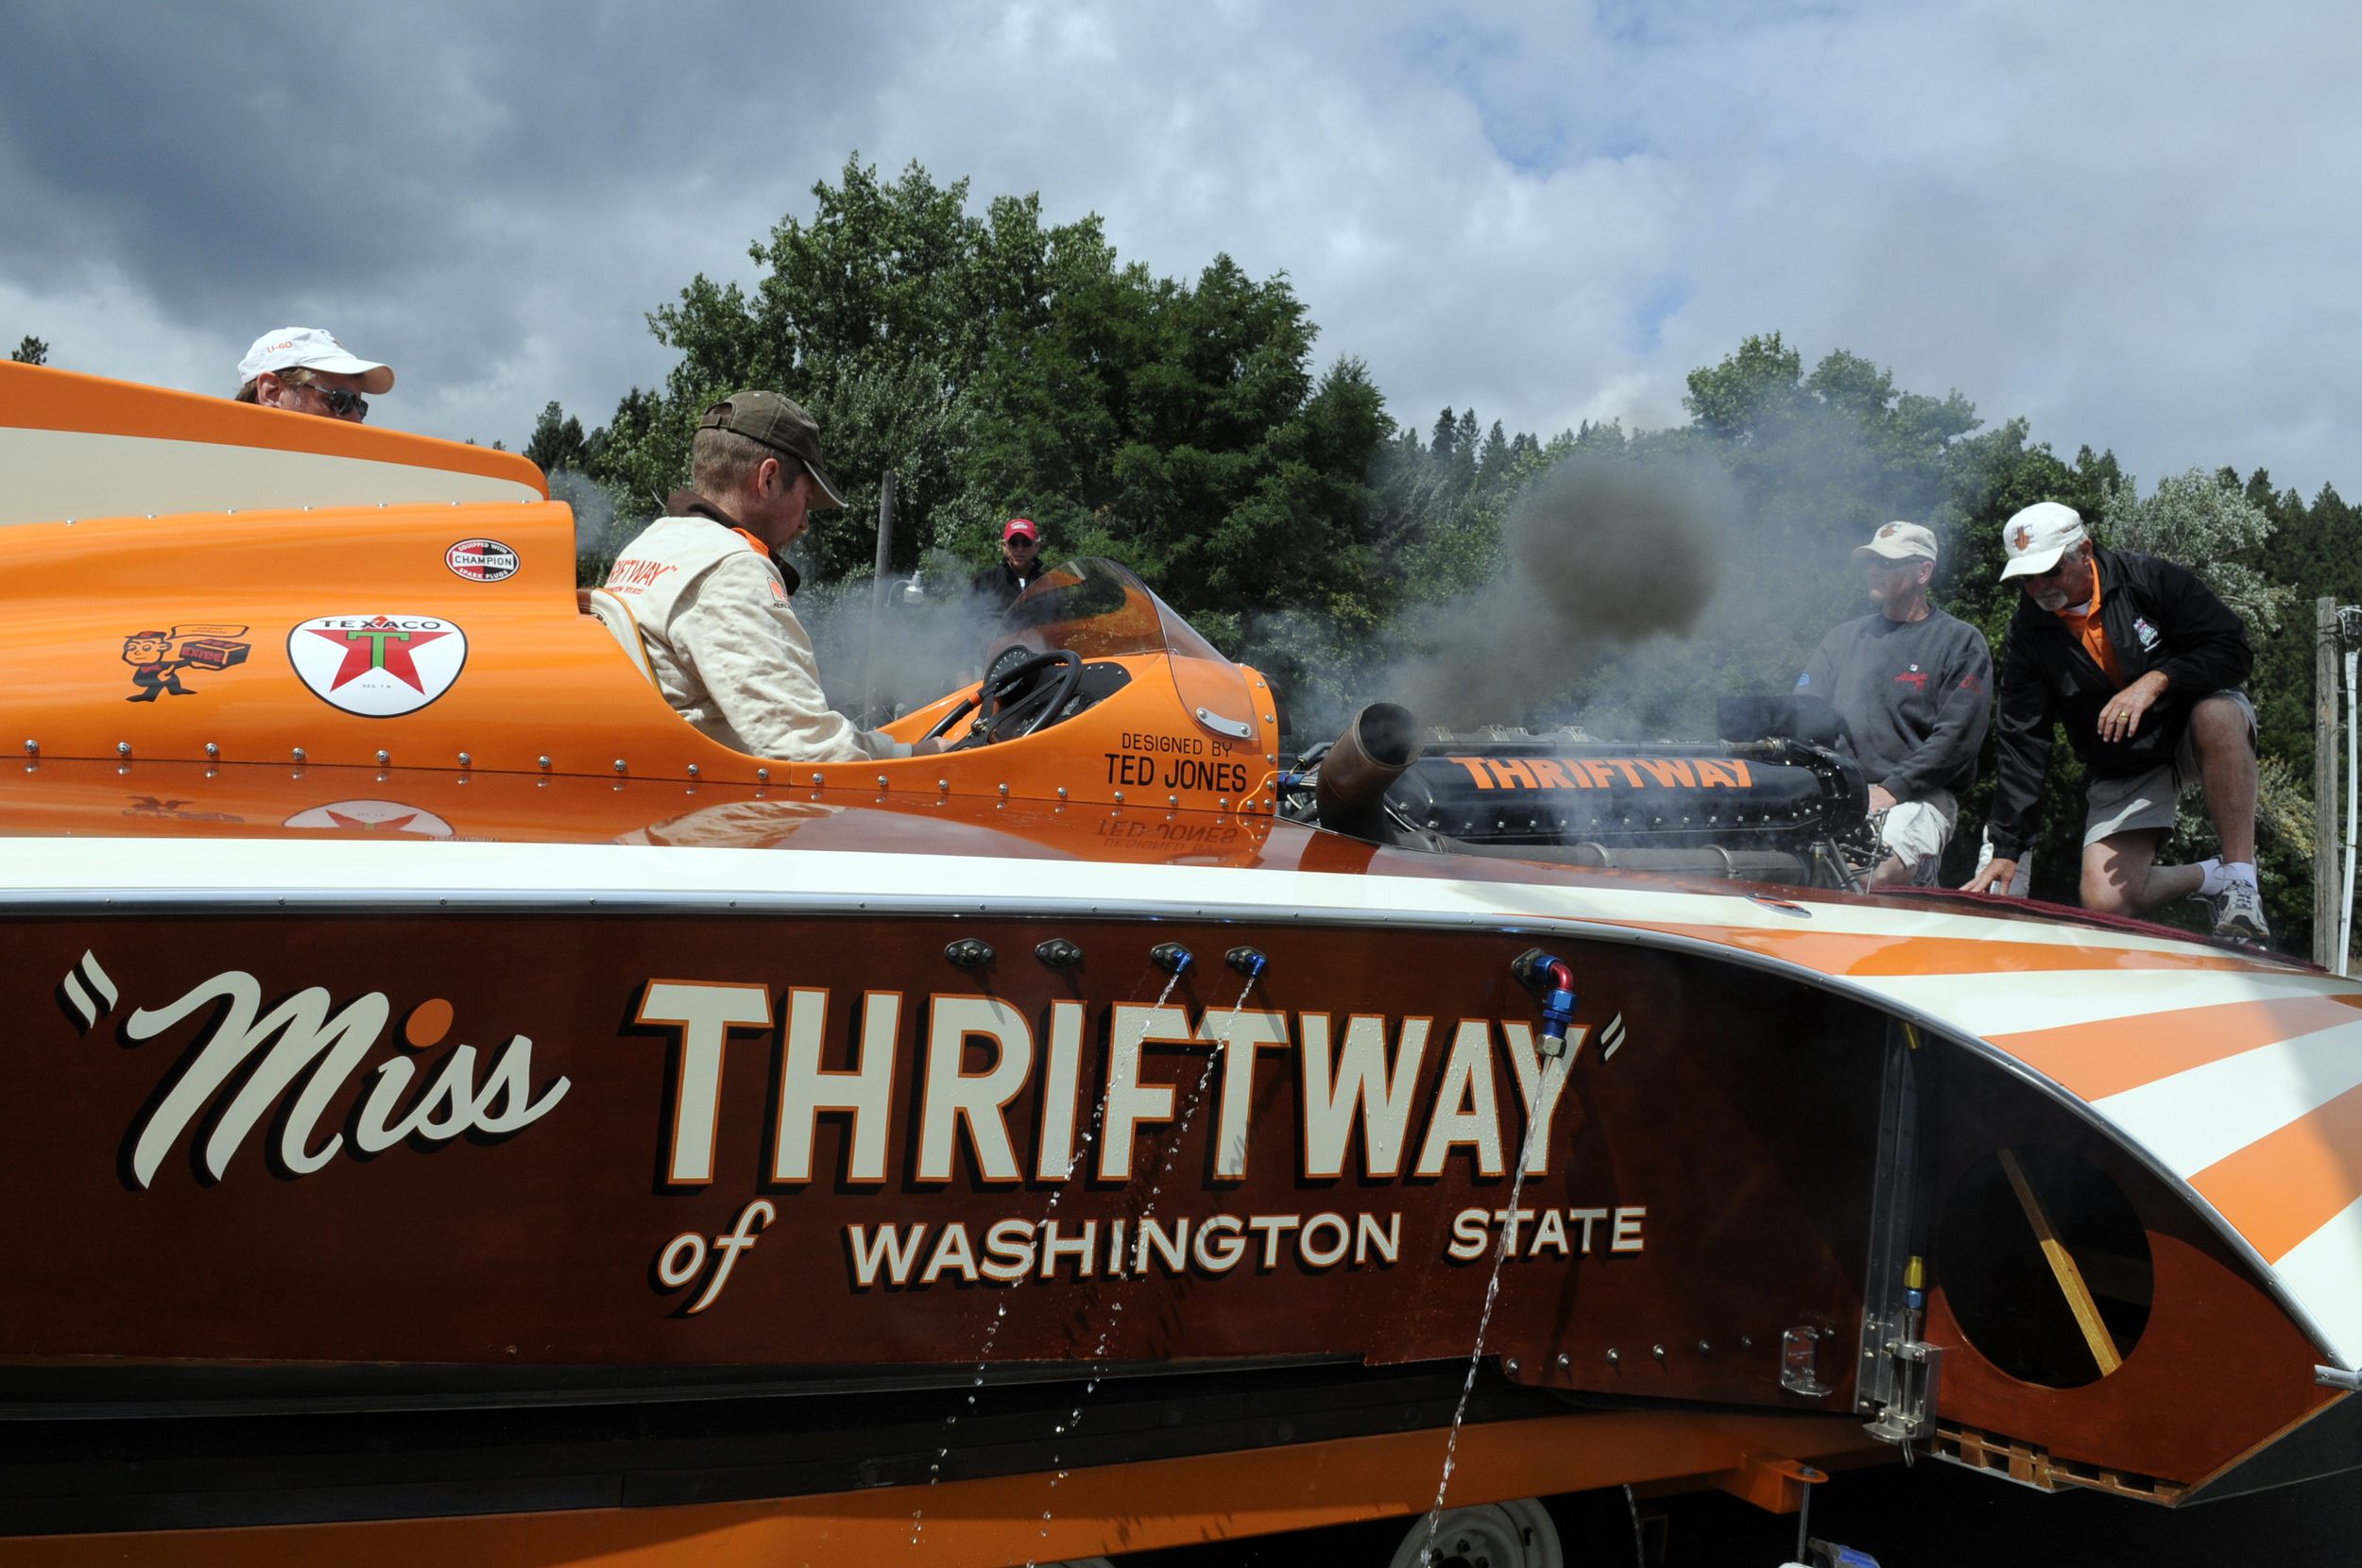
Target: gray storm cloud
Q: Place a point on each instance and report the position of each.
(1592, 197)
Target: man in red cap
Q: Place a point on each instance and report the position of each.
(1000, 584)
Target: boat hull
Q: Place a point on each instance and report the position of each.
(475, 1139)
(859, 1156)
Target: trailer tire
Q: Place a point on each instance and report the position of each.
(1490, 1535)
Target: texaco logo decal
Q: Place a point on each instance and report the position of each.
(373, 816)
(378, 666)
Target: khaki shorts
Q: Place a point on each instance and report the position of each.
(1915, 832)
(2146, 800)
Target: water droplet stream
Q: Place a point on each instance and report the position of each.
(1000, 1314)
(1173, 1139)
(1485, 1321)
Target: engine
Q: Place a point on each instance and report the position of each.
(1773, 807)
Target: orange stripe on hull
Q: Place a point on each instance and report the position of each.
(2097, 1060)
(2282, 1188)
(1127, 1507)
(1853, 953)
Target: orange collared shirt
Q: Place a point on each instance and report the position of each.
(2088, 627)
(778, 590)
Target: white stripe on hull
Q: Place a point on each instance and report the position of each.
(2208, 1112)
(333, 867)
(2324, 1271)
(1991, 1004)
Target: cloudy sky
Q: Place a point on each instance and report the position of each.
(2134, 224)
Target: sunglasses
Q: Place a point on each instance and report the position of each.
(342, 402)
(1022, 541)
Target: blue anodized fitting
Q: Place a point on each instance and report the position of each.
(1554, 981)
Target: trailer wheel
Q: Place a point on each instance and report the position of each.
(1491, 1535)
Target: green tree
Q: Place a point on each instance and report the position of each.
(1751, 390)
(1494, 467)
(998, 364)
(2209, 523)
(30, 350)
(557, 441)
(1001, 362)
(2311, 550)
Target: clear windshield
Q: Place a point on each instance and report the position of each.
(1099, 610)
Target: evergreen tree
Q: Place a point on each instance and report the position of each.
(557, 441)
(1446, 434)
(1492, 467)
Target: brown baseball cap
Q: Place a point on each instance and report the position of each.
(780, 423)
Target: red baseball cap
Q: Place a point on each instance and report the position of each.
(1021, 525)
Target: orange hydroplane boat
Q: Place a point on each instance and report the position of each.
(453, 1107)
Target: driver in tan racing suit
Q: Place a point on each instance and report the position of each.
(712, 602)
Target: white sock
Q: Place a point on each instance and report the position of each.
(2218, 874)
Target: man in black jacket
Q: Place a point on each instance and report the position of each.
(2142, 663)
(1000, 584)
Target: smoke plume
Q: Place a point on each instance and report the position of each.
(929, 639)
(594, 516)
(1600, 554)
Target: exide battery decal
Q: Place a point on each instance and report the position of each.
(157, 657)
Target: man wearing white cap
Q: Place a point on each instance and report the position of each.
(1912, 686)
(2142, 663)
(305, 370)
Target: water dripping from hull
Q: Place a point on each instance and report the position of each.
(1544, 1089)
(1175, 1138)
(1000, 1312)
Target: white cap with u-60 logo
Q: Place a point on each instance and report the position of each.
(2037, 535)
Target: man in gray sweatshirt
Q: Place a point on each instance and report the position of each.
(1912, 691)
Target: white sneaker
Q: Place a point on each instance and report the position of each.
(2239, 913)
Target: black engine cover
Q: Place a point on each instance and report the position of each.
(1758, 795)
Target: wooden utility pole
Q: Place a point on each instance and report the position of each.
(2327, 870)
(873, 674)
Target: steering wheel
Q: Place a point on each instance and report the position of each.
(1017, 699)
